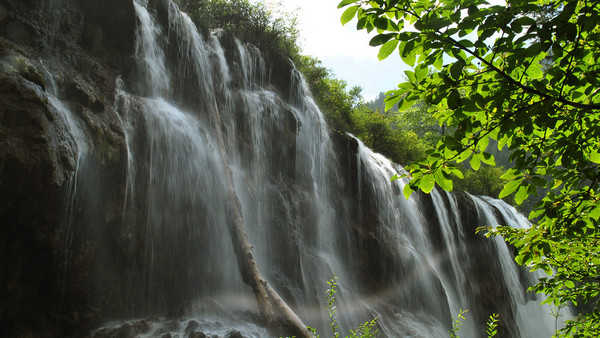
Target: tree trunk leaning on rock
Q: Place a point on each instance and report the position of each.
(273, 308)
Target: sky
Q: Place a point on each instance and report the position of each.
(343, 49)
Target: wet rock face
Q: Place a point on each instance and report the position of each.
(35, 157)
(109, 29)
(38, 159)
(127, 330)
(234, 334)
(3, 13)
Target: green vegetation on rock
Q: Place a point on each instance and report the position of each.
(247, 20)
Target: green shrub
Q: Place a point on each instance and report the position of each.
(251, 22)
(485, 181)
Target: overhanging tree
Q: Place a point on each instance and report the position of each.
(526, 74)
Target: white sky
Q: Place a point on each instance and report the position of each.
(343, 49)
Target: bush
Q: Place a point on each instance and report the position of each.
(250, 22)
(485, 181)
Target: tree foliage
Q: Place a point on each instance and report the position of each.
(526, 75)
(485, 181)
(250, 21)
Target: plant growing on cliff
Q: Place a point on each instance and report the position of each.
(367, 329)
(527, 75)
(491, 326)
(458, 323)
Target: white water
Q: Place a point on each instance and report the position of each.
(149, 51)
(403, 224)
(534, 319)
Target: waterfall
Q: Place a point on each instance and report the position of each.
(77, 141)
(447, 270)
(415, 275)
(534, 319)
(157, 222)
(149, 52)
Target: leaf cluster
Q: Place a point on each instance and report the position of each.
(491, 325)
(458, 323)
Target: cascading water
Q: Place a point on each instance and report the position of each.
(436, 276)
(201, 106)
(534, 319)
(149, 52)
(78, 141)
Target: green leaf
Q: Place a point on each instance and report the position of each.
(442, 181)
(410, 59)
(569, 284)
(361, 23)
(456, 172)
(456, 69)
(524, 21)
(521, 194)
(595, 157)
(381, 22)
(381, 39)
(427, 183)
(454, 99)
(595, 213)
(349, 14)
(483, 143)
(569, 31)
(475, 162)
(464, 156)
(502, 142)
(387, 49)
(439, 62)
(488, 159)
(421, 73)
(407, 191)
(536, 213)
(391, 101)
(344, 3)
(408, 52)
(510, 188)
(557, 184)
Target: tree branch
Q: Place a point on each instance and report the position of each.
(520, 85)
